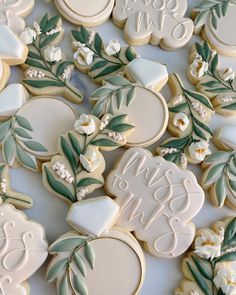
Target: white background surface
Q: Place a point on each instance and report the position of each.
(162, 276)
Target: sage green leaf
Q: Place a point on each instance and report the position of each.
(25, 159)
(90, 254)
(214, 21)
(203, 266)
(173, 157)
(201, 98)
(224, 7)
(122, 127)
(77, 36)
(217, 90)
(117, 120)
(206, 5)
(43, 83)
(98, 65)
(120, 98)
(55, 269)
(22, 133)
(129, 54)
(34, 55)
(204, 126)
(214, 173)
(75, 143)
(179, 108)
(200, 50)
(98, 43)
(232, 185)
(198, 132)
(104, 142)
(199, 280)
(23, 122)
(66, 244)
(85, 34)
(34, 146)
(4, 129)
(80, 286)
(43, 22)
(35, 64)
(62, 67)
(80, 263)
(220, 191)
(231, 256)
(63, 287)
(67, 150)
(9, 150)
(231, 107)
(2, 167)
(108, 70)
(219, 155)
(100, 92)
(218, 10)
(51, 23)
(98, 109)
(230, 233)
(57, 186)
(176, 142)
(201, 18)
(118, 81)
(211, 83)
(207, 50)
(49, 39)
(130, 96)
(88, 181)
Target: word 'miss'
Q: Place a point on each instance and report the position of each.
(157, 200)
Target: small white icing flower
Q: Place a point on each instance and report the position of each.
(226, 281)
(85, 125)
(104, 122)
(113, 47)
(224, 97)
(90, 160)
(181, 121)
(116, 136)
(199, 150)
(208, 245)
(84, 56)
(198, 68)
(227, 74)
(178, 99)
(37, 28)
(53, 54)
(3, 185)
(183, 161)
(82, 193)
(28, 36)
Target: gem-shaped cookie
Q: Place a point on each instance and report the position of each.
(77, 170)
(23, 250)
(154, 21)
(120, 96)
(214, 81)
(210, 266)
(48, 72)
(220, 169)
(91, 13)
(215, 20)
(190, 111)
(96, 259)
(157, 201)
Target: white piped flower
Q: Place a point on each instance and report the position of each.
(199, 150)
(90, 160)
(227, 74)
(226, 281)
(181, 121)
(104, 122)
(198, 68)
(84, 56)
(37, 28)
(116, 136)
(208, 245)
(3, 185)
(85, 125)
(224, 97)
(54, 31)
(28, 36)
(178, 99)
(113, 47)
(53, 54)
(82, 193)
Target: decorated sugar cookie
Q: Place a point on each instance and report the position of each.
(220, 169)
(90, 13)
(48, 72)
(23, 250)
(119, 96)
(98, 59)
(96, 258)
(214, 81)
(190, 111)
(210, 267)
(4, 74)
(77, 170)
(31, 129)
(158, 22)
(157, 201)
(215, 20)
(12, 13)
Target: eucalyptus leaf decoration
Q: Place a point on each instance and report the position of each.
(214, 82)
(7, 195)
(44, 76)
(213, 9)
(200, 273)
(67, 175)
(17, 143)
(198, 110)
(116, 92)
(69, 267)
(103, 65)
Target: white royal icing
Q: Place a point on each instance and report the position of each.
(9, 18)
(227, 135)
(93, 216)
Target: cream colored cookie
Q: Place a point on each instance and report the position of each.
(219, 176)
(189, 113)
(215, 22)
(47, 70)
(4, 74)
(120, 96)
(214, 81)
(23, 250)
(90, 13)
(98, 59)
(155, 22)
(106, 261)
(77, 170)
(210, 266)
(157, 201)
